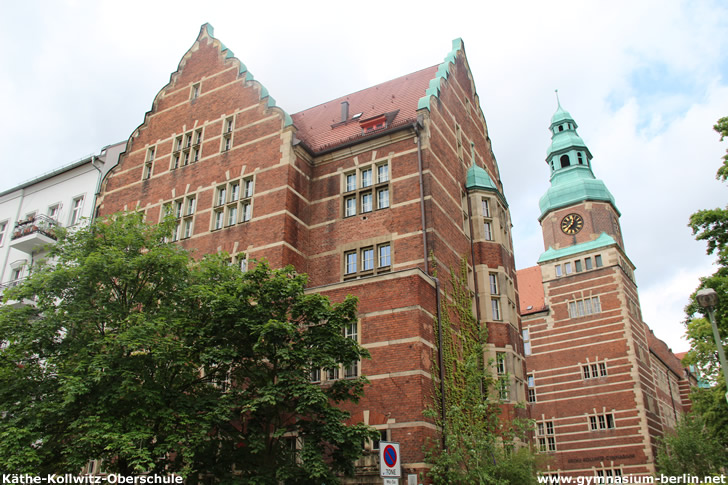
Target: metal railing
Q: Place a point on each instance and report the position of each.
(39, 223)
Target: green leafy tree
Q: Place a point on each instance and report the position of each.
(690, 449)
(711, 226)
(136, 354)
(477, 446)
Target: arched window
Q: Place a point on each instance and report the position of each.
(561, 127)
(564, 161)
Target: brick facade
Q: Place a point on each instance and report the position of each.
(343, 191)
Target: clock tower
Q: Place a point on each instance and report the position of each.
(578, 207)
(601, 387)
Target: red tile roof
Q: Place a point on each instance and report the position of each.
(530, 290)
(319, 127)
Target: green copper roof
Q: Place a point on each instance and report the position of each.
(478, 178)
(443, 72)
(572, 185)
(560, 116)
(243, 70)
(602, 241)
(563, 141)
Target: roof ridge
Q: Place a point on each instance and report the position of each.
(365, 89)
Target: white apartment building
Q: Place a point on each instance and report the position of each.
(31, 211)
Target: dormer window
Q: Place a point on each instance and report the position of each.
(373, 124)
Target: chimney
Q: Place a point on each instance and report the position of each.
(344, 111)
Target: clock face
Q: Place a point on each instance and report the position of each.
(572, 223)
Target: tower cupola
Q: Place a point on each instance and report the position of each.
(569, 160)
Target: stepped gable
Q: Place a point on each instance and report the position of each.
(321, 127)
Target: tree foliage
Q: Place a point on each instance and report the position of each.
(137, 354)
(691, 450)
(477, 446)
(711, 226)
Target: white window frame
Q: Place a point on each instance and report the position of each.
(76, 210)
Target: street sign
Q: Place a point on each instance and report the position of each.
(389, 460)
(391, 481)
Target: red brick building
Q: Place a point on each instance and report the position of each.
(359, 192)
(601, 386)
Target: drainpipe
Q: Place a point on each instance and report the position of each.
(98, 186)
(417, 126)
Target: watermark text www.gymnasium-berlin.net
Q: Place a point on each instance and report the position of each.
(596, 480)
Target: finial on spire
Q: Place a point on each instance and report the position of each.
(557, 97)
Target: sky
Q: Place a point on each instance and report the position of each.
(645, 81)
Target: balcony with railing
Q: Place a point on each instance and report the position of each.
(33, 234)
(14, 303)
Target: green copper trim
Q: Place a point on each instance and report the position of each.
(478, 178)
(572, 185)
(243, 70)
(443, 72)
(603, 240)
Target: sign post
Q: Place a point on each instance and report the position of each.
(389, 463)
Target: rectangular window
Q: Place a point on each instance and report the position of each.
(195, 154)
(526, 342)
(495, 306)
(366, 177)
(585, 371)
(248, 192)
(175, 232)
(350, 206)
(350, 262)
(546, 438)
(601, 422)
(247, 212)
(488, 229)
(186, 159)
(191, 204)
(195, 91)
(198, 137)
(486, 208)
(493, 278)
(232, 215)
(227, 143)
(315, 375)
(382, 198)
(503, 389)
(188, 228)
(234, 192)
(229, 123)
(567, 268)
(598, 260)
(531, 381)
(367, 259)
(582, 308)
(577, 266)
(221, 196)
(332, 374)
(350, 182)
(588, 263)
(53, 212)
(175, 161)
(382, 173)
(3, 229)
(219, 216)
(500, 363)
(602, 369)
(384, 255)
(178, 209)
(76, 210)
(366, 202)
(558, 270)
